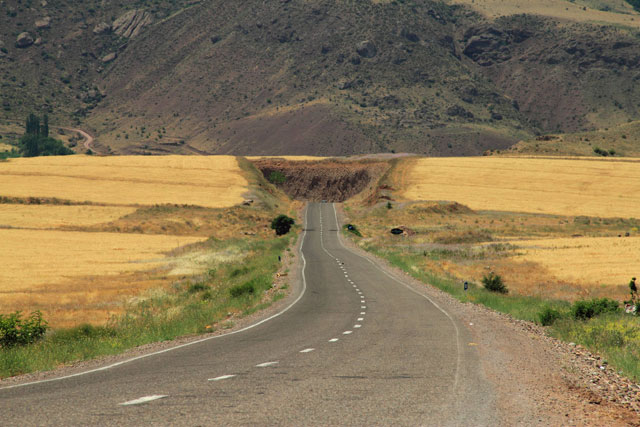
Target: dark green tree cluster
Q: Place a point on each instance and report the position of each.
(635, 4)
(282, 224)
(37, 142)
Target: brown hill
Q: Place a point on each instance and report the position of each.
(327, 77)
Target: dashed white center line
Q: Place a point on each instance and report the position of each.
(307, 350)
(357, 326)
(347, 332)
(363, 312)
(360, 319)
(333, 340)
(363, 306)
(265, 364)
(144, 399)
(222, 377)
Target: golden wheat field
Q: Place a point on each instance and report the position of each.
(39, 257)
(566, 10)
(214, 181)
(87, 275)
(603, 188)
(585, 261)
(55, 216)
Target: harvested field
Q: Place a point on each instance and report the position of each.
(55, 216)
(604, 188)
(214, 181)
(43, 257)
(586, 261)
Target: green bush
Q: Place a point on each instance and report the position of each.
(277, 177)
(586, 309)
(353, 229)
(548, 316)
(282, 224)
(245, 289)
(17, 331)
(493, 283)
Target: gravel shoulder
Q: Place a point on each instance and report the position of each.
(538, 379)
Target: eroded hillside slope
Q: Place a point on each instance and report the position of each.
(326, 77)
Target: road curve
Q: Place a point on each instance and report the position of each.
(359, 347)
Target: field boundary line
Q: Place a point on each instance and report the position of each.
(155, 353)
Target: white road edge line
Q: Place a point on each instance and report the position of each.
(155, 353)
(265, 364)
(455, 326)
(221, 377)
(144, 399)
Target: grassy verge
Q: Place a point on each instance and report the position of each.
(198, 305)
(615, 336)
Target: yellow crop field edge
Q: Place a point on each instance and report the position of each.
(46, 257)
(53, 216)
(550, 186)
(588, 261)
(209, 181)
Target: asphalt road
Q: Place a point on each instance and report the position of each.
(358, 347)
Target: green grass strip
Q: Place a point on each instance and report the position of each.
(188, 308)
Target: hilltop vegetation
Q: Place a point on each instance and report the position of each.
(322, 77)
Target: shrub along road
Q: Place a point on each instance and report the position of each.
(357, 346)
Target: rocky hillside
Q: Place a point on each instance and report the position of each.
(324, 77)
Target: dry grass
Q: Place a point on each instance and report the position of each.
(55, 216)
(76, 277)
(605, 188)
(586, 261)
(214, 181)
(39, 257)
(5, 147)
(623, 139)
(577, 11)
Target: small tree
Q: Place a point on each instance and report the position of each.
(277, 177)
(282, 224)
(493, 283)
(634, 301)
(44, 130)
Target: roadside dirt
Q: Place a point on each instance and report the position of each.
(538, 380)
(330, 180)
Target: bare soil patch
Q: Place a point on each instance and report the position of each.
(329, 180)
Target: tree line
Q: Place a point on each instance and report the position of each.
(36, 140)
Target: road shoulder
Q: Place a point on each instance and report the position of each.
(538, 380)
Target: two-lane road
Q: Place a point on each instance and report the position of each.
(356, 347)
